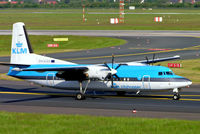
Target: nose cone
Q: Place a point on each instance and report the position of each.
(187, 82)
(113, 71)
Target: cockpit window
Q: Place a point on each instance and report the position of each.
(165, 73)
(169, 73)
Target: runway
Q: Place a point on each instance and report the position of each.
(32, 98)
(130, 33)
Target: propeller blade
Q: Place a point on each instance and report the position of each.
(117, 76)
(107, 66)
(153, 58)
(112, 60)
(147, 59)
(118, 66)
(112, 80)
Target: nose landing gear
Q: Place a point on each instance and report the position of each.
(176, 94)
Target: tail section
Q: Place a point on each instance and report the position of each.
(20, 44)
(22, 52)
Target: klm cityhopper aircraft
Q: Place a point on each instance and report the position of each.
(136, 77)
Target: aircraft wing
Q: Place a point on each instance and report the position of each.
(156, 60)
(75, 68)
(8, 64)
(79, 73)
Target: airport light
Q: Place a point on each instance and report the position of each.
(121, 11)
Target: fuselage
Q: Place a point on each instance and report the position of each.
(131, 78)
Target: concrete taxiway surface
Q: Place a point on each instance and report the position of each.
(21, 97)
(130, 33)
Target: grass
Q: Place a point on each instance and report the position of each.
(23, 123)
(75, 43)
(190, 69)
(71, 19)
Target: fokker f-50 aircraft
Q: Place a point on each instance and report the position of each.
(122, 77)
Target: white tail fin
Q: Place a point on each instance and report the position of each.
(22, 52)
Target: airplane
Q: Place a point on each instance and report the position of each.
(138, 76)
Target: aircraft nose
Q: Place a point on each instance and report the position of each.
(188, 82)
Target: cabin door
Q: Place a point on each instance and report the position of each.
(50, 79)
(146, 82)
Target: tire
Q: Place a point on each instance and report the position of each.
(80, 96)
(176, 97)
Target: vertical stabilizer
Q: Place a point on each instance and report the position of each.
(20, 43)
(22, 52)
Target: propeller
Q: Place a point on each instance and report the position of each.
(147, 59)
(154, 55)
(112, 71)
(153, 58)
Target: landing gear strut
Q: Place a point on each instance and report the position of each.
(81, 94)
(176, 94)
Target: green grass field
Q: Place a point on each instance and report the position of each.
(75, 43)
(23, 123)
(71, 19)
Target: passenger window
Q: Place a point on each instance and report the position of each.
(169, 73)
(159, 73)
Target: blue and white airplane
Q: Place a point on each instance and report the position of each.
(137, 76)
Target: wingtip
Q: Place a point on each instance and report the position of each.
(177, 56)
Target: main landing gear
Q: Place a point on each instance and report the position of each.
(176, 94)
(81, 94)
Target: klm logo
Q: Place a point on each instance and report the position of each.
(19, 49)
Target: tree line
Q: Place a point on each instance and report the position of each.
(98, 4)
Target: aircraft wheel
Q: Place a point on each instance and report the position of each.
(176, 96)
(80, 96)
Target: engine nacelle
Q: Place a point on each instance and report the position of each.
(73, 75)
(98, 72)
(93, 72)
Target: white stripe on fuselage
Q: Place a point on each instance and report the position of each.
(106, 85)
